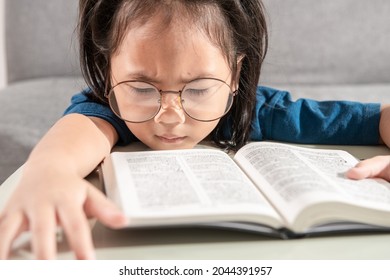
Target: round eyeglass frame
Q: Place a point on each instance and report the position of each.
(111, 91)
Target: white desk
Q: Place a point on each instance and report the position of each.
(197, 243)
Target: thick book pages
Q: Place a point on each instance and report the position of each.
(267, 187)
(184, 187)
(309, 190)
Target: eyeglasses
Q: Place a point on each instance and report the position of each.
(205, 100)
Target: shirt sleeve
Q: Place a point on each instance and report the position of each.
(278, 117)
(81, 103)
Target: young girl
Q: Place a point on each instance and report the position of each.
(169, 74)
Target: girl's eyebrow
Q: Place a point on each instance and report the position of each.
(146, 78)
(142, 77)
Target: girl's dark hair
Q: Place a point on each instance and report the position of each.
(237, 27)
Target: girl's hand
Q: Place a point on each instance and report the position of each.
(55, 198)
(378, 167)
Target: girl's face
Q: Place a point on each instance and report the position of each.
(169, 59)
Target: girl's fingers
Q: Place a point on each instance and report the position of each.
(97, 205)
(70, 212)
(10, 227)
(43, 230)
(77, 230)
(378, 166)
(73, 219)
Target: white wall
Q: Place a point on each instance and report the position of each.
(2, 46)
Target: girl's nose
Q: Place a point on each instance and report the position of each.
(171, 111)
(170, 100)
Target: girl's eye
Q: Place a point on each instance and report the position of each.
(142, 90)
(196, 91)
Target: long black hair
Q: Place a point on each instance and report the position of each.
(237, 27)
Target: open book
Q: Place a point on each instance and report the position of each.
(273, 188)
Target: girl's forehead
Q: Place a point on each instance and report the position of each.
(179, 19)
(173, 40)
(158, 25)
(151, 39)
(177, 33)
(174, 53)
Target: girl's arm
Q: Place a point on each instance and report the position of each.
(384, 125)
(377, 166)
(52, 191)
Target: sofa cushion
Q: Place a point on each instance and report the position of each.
(29, 109)
(40, 39)
(332, 42)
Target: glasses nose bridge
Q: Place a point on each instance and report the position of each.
(175, 102)
(170, 91)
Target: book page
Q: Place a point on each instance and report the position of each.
(370, 192)
(294, 177)
(195, 182)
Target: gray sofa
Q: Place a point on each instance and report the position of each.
(42, 74)
(324, 49)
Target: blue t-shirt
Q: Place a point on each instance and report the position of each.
(278, 117)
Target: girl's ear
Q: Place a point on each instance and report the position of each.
(236, 80)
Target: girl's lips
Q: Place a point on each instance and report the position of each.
(171, 139)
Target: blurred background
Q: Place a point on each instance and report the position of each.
(39, 56)
(2, 45)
